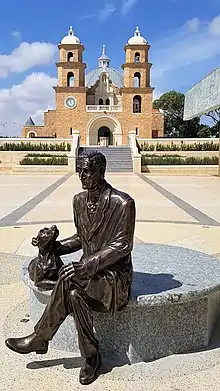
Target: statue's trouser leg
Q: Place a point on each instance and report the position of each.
(88, 344)
(63, 301)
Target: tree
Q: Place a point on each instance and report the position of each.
(215, 117)
(204, 131)
(172, 103)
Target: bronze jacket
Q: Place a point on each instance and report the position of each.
(107, 241)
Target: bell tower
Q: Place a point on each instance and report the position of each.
(137, 68)
(70, 90)
(137, 91)
(71, 69)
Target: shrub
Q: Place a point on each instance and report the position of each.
(147, 147)
(178, 160)
(206, 146)
(41, 161)
(28, 146)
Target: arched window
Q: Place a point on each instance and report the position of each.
(70, 79)
(100, 101)
(137, 57)
(104, 78)
(70, 56)
(32, 135)
(107, 102)
(137, 104)
(137, 79)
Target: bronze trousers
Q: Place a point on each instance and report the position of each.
(70, 298)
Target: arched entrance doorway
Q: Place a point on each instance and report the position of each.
(104, 125)
(104, 131)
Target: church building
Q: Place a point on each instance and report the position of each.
(102, 103)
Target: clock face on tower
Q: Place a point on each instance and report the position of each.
(70, 102)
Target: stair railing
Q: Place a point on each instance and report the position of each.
(136, 156)
(73, 153)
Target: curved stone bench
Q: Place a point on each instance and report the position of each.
(174, 305)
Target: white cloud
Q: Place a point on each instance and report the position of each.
(89, 16)
(157, 94)
(26, 56)
(193, 25)
(214, 26)
(184, 48)
(17, 35)
(105, 12)
(127, 5)
(102, 14)
(30, 98)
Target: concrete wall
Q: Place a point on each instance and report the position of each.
(181, 170)
(203, 97)
(36, 140)
(183, 153)
(177, 141)
(8, 159)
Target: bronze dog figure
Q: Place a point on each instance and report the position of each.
(43, 269)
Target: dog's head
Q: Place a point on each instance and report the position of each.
(46, 237)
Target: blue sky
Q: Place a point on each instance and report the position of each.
(184, 37)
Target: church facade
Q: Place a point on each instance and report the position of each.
(102, 102)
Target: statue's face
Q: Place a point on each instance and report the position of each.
(88, 176)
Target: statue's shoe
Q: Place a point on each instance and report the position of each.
(88, 372)
(25, 345)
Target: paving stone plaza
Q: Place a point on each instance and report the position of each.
(182, 211)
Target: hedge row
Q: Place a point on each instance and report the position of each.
(22, 146)
(207, 146)
(43, 155)
(40, 161)
(178, 160)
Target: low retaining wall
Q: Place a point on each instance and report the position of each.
(35, 140)
(181, 170)
(40, 169)
(176, 141)
(12, 158)
(200, 154)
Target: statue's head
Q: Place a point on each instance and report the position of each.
(92, 170)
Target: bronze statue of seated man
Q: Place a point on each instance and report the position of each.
(101, 281)
(43, 269)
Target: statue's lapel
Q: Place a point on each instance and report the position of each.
(100, 212)
(84, 217)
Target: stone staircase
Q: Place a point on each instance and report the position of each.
(119, 159)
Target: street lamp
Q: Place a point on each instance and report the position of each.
(3, 124)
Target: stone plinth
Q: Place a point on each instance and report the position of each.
(173, 309)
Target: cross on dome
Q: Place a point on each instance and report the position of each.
(137, 39)
(103, 60)
(70, 39)
(71, 32)
(137, 32)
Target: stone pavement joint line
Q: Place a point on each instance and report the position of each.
(22, 210)
(201, 217)
(68, 221)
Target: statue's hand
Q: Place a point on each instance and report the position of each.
(73, 270)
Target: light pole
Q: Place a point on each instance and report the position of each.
(3, 124)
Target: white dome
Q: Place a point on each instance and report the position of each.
(137, 39)
(70, 39)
